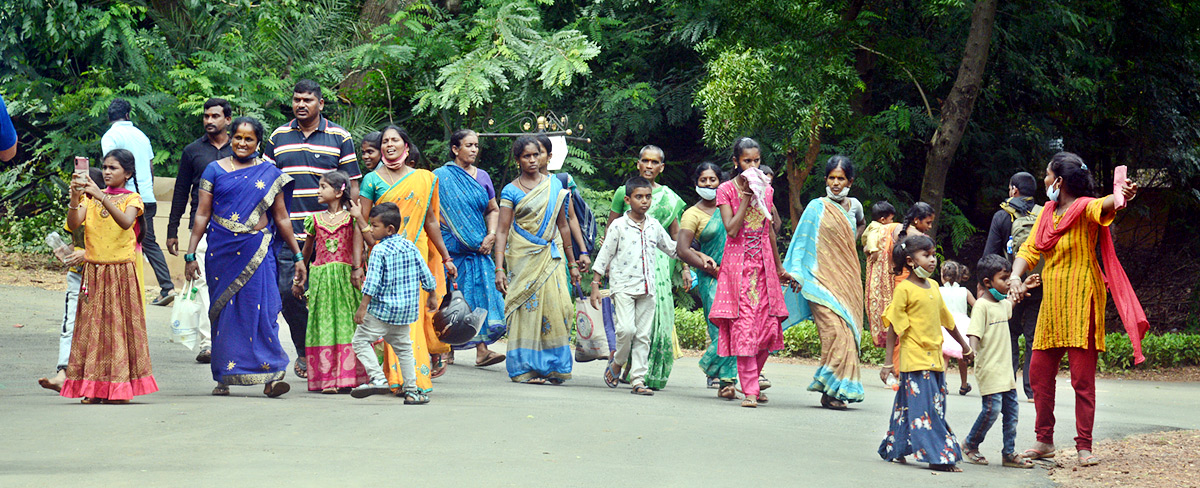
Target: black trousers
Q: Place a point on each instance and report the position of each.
(1024, 322)
(295, 311)
(154, 254)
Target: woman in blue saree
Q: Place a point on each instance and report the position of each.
(469, 219)
(243, 204)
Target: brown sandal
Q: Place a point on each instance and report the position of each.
(750, 402)
(276, 388)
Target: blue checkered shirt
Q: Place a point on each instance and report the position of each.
(396, 273)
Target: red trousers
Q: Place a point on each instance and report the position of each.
(1043, 367)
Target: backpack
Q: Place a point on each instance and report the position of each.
(587, 219)
(1022, 227)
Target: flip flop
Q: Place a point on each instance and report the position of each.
(276, 388)
(610, 379)
(749, 402)
(439, 367)
(641, 390)
(221, 391)
(965, 389)
(300, 367)
(727, 392)
(45, 383)
(1016, 461)
(490, 359)
(1033, 454)
(762, 397)
(1089, 460)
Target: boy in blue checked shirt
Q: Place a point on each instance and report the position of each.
(391, 294)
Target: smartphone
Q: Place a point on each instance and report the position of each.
(1120, 177)
(81, 163)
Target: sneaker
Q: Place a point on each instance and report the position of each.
(165, 299)
(205, 356)
(367, 389)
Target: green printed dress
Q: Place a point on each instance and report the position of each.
(332, 300)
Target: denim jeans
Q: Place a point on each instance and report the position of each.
(993, 406)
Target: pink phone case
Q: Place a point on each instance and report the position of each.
(1119, 179)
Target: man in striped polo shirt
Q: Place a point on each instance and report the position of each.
(306, 148)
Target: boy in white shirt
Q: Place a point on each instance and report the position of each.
(990, 340)
(627, 257)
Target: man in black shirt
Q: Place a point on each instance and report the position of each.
(1021, 188)
(213, 145)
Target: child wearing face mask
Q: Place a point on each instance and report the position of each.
(915, 315)
(989, 336)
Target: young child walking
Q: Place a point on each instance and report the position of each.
(335, 274)
(396, 273)
(110, 355)
(918, 421)
(957, 299)
(627, 257)
(989, 335)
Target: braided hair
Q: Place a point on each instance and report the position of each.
(125, 158)
(918, 211)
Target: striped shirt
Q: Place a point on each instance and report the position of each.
(306, 159)
(1073, 291)
(396, 274)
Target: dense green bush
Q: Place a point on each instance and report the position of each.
(801, 340)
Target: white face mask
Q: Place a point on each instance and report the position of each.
(921, 272)
(706, 193)
(839, 196)
(1052, 193)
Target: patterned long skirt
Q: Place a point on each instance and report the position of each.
(918, 423)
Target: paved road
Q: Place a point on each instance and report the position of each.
(482, 429)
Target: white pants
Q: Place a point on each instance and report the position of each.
(68, 325)
(201, 285)
(633, 316)
(395, 335)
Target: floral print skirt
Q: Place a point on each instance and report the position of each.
(918, 423)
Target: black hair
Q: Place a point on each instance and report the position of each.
(706, 166)
(341, 182)
(119, 109)
(842, 162)
(1024, 183)
(388, 214)
(918, 211)
(953, 272)
(1076, 178)
(544, 141)
(255, 126)
(652, 147)
(882, 209)
(520, 144)
(456, 139)
(907, 246)
(97, 175)
(414, 154)
(373, 139)
(226, 108)
(308, 86)
(129, 164)
(989, 265)
(741, 145)
(767, 170)
(636, 182)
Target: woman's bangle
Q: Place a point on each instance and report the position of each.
(573, 265)
(583, 253)
(189, 257)
(447, 260)
(889, 365)
(297, 257)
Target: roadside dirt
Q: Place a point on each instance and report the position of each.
(1163, 459)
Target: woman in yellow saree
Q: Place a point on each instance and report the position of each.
(538, 308)
(415, 192)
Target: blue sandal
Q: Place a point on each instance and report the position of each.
(610, 379)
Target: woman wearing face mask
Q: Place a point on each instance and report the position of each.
(415, 192)
(698, 225)
(666, 208)
(823, 256)
(1071, 320)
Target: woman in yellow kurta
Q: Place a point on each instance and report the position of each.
(110, 353)
(415, 192)
(1071, 318)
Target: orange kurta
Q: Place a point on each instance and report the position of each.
(1074, 295)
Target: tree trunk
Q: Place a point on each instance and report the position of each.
(956, 110)
(796, 178)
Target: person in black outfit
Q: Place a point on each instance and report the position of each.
(212, 146)
(1021, 188)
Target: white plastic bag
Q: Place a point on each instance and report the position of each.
(592, 343)
(186, 316)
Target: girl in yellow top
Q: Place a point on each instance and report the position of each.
(110, 356)
(914, 319)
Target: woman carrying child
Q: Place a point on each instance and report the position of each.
(110, 356)
(538, 309)
(877, 242)
(1071, 320)
(335, 252)
(748, 308)
(698, 225)
(824, 256)
(914, 318)
(243, 207)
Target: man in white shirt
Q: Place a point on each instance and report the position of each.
(123, 135)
